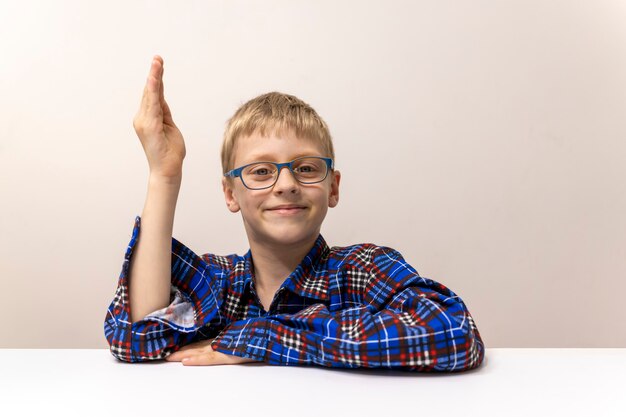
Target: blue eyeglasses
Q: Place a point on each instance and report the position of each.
(262, 175)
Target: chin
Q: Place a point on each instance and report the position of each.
(290, 235)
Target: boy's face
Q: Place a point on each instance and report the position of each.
(263, 222)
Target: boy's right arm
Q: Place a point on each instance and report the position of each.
(161, 278)
(164, 146)
(150, 269)
(195, 296)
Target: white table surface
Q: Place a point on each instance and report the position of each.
(511, 382)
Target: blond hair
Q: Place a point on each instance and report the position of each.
(274, 113)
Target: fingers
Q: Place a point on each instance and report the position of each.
(195, 357)
(213, 358)
(161, 90)
(200, 360)
(205, 357)
(175, 357)
(167, 113)
(184, 353)
(150, 108)
(154, 85)
(150, 100)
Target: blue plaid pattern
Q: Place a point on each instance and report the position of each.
(356, 306)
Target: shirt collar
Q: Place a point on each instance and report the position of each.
(309, 279)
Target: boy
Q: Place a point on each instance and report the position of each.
(290, 300)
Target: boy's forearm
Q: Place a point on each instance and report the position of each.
(150, 267)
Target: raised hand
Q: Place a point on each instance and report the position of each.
(161, 140)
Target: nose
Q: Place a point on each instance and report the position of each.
(286, 182)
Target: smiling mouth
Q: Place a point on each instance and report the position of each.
(287, 210)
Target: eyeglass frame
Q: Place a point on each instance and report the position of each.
(233, 173)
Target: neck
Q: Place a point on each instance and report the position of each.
(274, 263)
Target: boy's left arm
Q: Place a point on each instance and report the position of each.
(405, 322)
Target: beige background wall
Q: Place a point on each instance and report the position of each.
(485, 140)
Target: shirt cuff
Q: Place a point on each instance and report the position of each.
(180, 313)
(245, 338)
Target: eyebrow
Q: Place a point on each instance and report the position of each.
(268, 157)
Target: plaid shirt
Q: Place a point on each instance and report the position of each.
(347, 307)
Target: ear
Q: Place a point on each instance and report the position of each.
(333, 196)
(229, 195)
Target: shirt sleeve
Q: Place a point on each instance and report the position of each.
(406, 322)
(195, 298)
